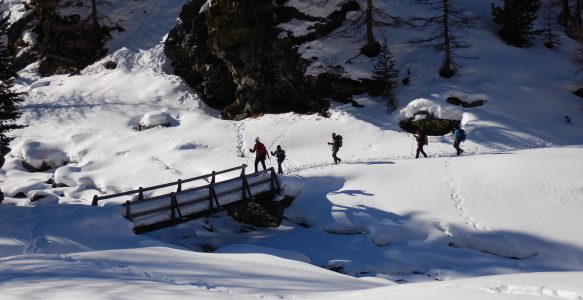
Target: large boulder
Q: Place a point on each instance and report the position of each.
(235, 55)
(39, 157)
(430, 117)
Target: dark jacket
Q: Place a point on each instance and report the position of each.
(421, 139)
(279, 153)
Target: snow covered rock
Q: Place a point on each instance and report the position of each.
(43, 196)
(63, 176)
(429, 116)
(153, 119)
(38, 157)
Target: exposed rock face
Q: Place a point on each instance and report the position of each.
(429, 124)
(232, 55)
(65, 43)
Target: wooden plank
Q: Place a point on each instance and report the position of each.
(151, 188)
(136, 213)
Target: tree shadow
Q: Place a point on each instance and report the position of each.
(353, 193)
(360, 240)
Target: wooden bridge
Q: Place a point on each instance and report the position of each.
(183, 205)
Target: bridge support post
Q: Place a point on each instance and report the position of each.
(174, 209)
(246, 195)
(128, 210)
(212, 194)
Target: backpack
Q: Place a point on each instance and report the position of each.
(261, 150)
(280, 154)
(462, 135)
(425, 140)
(339, 141)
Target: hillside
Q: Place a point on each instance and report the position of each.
(499, 222)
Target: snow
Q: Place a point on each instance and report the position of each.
(155, 118)
(432, 108)
(39, 155)
(502, 221)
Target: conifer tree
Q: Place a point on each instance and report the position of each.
(449, 17)
(516, 20)
(9, 100)
(564, 17)
(385, 69)
(368, 17)
(552, 40)
(386, 72)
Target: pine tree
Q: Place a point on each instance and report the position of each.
(386, 72)
(552, 40)
(9, 100)
(449, 18)
(385, 69)
(516, 19)
(564, 17)
(367, 17)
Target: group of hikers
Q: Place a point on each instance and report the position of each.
(279, 153)
(458, 134)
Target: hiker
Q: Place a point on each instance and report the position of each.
(336, 144)
(280, 154)
(261, 153)
(459, 135)
(568, 120)
(421, 138)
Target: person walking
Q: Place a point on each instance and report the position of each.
(336, 144)
(568, 120)
(280, 154)
(261, 153)
(459, 135)
(421, 138)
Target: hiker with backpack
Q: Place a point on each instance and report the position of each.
(421, 138)
(459, 135)
(336, 144)
(261, 153)
(280, 154)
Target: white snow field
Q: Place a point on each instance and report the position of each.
(501, 221)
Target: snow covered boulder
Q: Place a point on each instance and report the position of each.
(64, 176)
(153, 119)
(429, 116)
(39, 157)
(42, 196)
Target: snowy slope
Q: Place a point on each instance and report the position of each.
(509, 208)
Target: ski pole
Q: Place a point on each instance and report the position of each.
(247, 161)
(412, 143)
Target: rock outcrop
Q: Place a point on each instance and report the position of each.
(234, 54)
(63, 44)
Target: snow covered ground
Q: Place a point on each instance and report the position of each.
(503, 221)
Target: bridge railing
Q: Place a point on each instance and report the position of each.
(182, 205)
(140, 191)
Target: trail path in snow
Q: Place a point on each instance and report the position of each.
(458, 199)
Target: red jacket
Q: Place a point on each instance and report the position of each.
(261, 150)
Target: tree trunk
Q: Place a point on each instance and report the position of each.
(565, 16)
(94, 15)
(578, 13)
(446, 70)
(372, 48)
